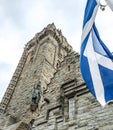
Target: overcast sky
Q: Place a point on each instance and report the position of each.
(20, 20)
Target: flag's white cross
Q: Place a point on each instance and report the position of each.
(94, 59)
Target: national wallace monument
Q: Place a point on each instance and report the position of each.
(47, 92)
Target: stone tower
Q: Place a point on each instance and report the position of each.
(65, 103)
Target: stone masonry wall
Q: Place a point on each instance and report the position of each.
(89, 115)
(43, 55)
(51, 60)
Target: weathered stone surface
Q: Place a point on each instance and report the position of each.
(50, 59)
(17, 126)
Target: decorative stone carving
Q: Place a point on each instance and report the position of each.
(36, 96)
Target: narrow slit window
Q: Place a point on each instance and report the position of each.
(69, 68)
(71, 107)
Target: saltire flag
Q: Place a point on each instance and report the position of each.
(96, 61)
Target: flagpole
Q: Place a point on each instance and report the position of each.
(102, 6)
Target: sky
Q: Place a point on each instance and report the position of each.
(20, 20)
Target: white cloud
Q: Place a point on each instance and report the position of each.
(9, 41)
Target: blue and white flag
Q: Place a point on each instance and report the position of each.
(96, 61)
